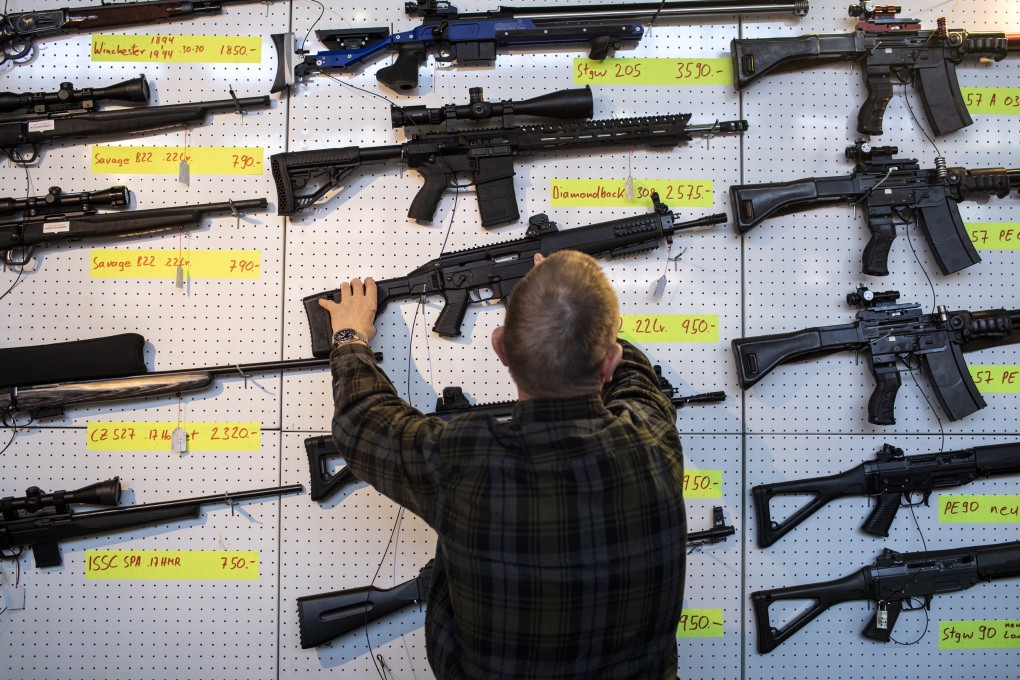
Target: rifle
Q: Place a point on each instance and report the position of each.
(326, 616)
(907, 194)
(40, 381)
(888, 51)
(888, 332)
(20, 30)
(887, 479)
(36, 118)
(473, 38)
(42, 532)
(322, 449)
(59, 216)
(895, 580)
(461, 276)
(486, 154)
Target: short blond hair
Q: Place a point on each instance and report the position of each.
(561, 321)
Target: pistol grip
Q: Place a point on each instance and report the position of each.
(883, 400)
(452, 317)
(881, 518)
(880, 91)
(876, 253)
(872, 630)
(402, 74)
(423, 207)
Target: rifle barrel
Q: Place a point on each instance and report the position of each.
(258, 367)
(643, 11)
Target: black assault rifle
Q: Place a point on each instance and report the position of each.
(895, 580)
(40, 381)
(41, 521)
(888, 479)
(59, 216)
(322, 450)
(327, 616)
(32, 119)
(888, 333)
(20, 30)
(486, 154)
(462, 276)
(888, 51)
(890, 191)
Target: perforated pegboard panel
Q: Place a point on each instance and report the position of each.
(789, 273)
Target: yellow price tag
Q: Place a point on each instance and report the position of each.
(653, 71)
(994, 235)
(996, 379)
(702, 483)
(645, 328)
(154, 436)
(166, 160)
(982, 634)
(162, 264)
(178, 49)
(700, 623)
(979, 509)
(992, 100)
(171, 565)
(592, 193)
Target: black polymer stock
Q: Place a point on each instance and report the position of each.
(887, 334)
(890, 191)
(463, 276)
(42, 521)
(889, 585)
(486, 155)
(327, 616)
(34, 119)
(889, 51)
(889, 479)
(20, 30)
(472, 39)
(59, 216)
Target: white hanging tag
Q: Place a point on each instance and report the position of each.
(659, 288)
(184, 172)
(179, 440)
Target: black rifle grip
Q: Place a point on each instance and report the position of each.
(882, 403)
(942, 99)
(452, 317)
(881, 518)
(402, 74)
(423, 207)
(947, 236)
(876, 253)
(878, 80)
(319, 323)
(873, 632)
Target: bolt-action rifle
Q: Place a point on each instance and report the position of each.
(887, 333)
(890, 585)
(889, 479)
(322, 450)
(890, 191)
(327, 616)
(41, 521)
(486, 155)
(59, 216)
(20, 30)
(472, 38)
(463, 277)
(889, 51)
(32, 119)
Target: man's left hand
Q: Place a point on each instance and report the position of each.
(356, 309)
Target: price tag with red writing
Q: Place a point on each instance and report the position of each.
(699, 623)
(1002, 101)
(996, 379)
(654, 71)
(154, 436)
(612, 193)
(171, 565)
(702, 483)
(166, 160)
(994, 235)
(163, 264)
(178, 49)
(643, 328)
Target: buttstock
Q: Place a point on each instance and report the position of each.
(757, 356)
(326, 616)
(754, 203)
(756, 58)
(823, 489)
(48, 398)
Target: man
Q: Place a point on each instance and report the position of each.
(562, 532)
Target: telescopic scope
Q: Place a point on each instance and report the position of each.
(34, 500)
(572, 104)
(135, 90)
(57, 200)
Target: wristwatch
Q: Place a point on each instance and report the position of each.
(345, 336)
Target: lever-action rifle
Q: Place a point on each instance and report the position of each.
(19, 30)
(41, 521)
(472, 38)
(894, 581)
(40, 381)
(890, 191)
(327, 616)
(462, 276)
(58, 216)
(322, 450)
(885, 334)
(487, 155)
(35, 118)
(888, 51)
(888, 479)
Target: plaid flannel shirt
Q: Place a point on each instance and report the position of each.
(561, 532)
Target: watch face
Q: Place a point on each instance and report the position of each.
(344, 335)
